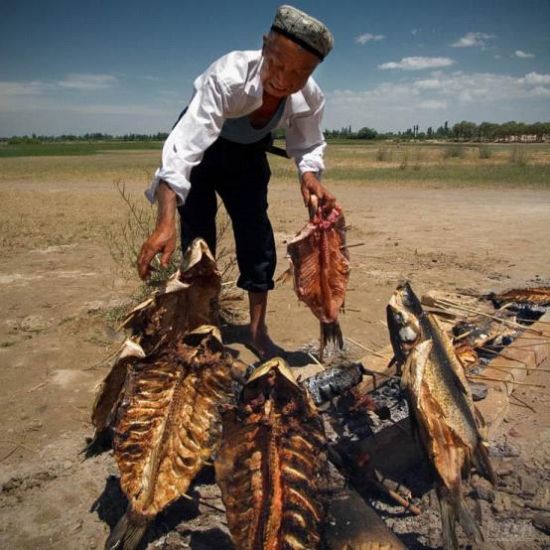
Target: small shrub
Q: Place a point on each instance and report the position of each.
(404, 159)
(454, 152)
(384, 154)
(519, 155)
(126, 239)
(485, 152)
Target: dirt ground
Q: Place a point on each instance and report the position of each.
(55, 337)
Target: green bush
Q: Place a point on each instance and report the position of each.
(384, 154)
(454, 152)
(485, 152)
(519, 155)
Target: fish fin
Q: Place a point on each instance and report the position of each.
(127, 533)
(284, 277)
(453, 509)
(483, 464)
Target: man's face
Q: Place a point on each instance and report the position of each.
(286, 67)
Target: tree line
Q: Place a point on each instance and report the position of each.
(96, 136)
(461, 131)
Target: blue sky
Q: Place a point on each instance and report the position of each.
(119, 66)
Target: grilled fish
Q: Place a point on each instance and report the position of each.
(535, 296)
(188, 300)
(441, 406)
(320, 267)
(168, 426)
(271, 462)
(109, 396)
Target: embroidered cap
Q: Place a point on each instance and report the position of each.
(303, 29)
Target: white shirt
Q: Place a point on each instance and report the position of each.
(231, 88)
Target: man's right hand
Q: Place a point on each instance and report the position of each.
(163, 240)
(164, 237)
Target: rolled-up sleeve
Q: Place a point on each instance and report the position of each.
(305, 142)
(197, 129)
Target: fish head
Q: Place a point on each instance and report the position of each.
(272, 377)
(403, 316)
(198, 262)
(207, 336)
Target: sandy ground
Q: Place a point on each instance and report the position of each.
(55, 336)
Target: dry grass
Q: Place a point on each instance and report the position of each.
(47, 201)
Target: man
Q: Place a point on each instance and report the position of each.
(218, 146)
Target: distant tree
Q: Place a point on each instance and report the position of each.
(367, 133)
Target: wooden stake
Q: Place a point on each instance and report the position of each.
(494, 317)
(481, 377)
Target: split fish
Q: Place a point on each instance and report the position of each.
(271, 462)
(320, 268)
(168, 426)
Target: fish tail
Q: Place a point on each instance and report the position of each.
(127, 533)
(483, 464)
(331, 333)
(453, 509)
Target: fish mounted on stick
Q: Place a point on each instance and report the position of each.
(441, 407)
(272, 462)
(319, 263)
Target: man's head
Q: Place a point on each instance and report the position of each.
(295, 45)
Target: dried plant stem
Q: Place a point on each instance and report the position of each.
(365, 348)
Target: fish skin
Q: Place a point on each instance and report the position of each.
(442, 409)
(319, 262)
(168, 426)
(187, 300)
(270, 463)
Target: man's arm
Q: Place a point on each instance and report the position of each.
(163, 238)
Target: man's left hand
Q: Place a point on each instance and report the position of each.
(310, 185)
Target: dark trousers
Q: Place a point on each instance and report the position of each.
(239, 174)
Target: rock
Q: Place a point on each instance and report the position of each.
(502, 503)
(504, 449)
(33, 323)
(528, 485)
(95, 306)
(503, 469)
(542, 522)
(483, 489)
(479, 390)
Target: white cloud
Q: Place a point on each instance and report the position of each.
(414, 32)
(417, 63)
(536, 79)
(523, 55)
(433, 104)
(88, 82)
(470, 39)
(442, 96)
(368, 37)
(21, 88)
